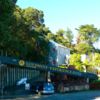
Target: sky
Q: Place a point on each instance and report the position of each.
(63, 14)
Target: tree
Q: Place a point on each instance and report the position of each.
(69, 36)
(92, 62)
(14, 1)
(96, 60)
(75, 60)
(88, 34)
(22, 32)
(62, 37)
(6, 19)
(83, 48)
(31, 32)
(6, 6)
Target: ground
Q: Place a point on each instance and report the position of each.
(85, 95)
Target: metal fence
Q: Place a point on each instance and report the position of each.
(9, 75)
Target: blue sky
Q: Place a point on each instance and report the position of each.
(60, 14)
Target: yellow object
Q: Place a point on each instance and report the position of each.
(21, 62)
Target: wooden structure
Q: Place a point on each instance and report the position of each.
(12, 70)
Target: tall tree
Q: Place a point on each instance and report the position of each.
(22, 32)
(30, 32)
(87, 36)
(6, 19)
(69, 35)
(83, 48)
(63, 37)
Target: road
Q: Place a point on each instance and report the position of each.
(86, 95)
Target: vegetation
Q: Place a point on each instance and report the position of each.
(23, 34)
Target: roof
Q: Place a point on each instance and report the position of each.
(36, 66)
(57, 44)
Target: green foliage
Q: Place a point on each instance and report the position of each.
(32, 17)
(96, 59)
(50, 36)
(63, 66)
(88, 34)
(90, 63)
(22, 32)
(75, 59)
(6, 20)
(31, 31)
(83, 48)
(69, 35)
(6, 6)
(62, 37)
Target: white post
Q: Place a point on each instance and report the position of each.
(48, 77)
(87, 80)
